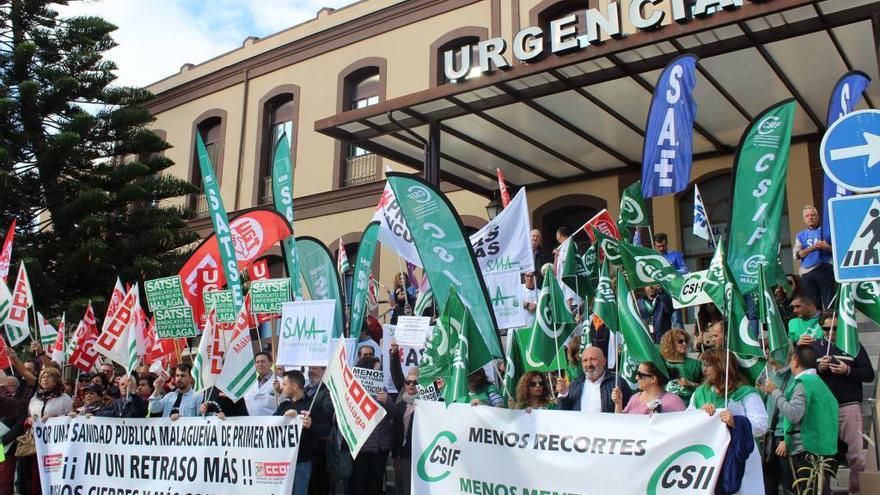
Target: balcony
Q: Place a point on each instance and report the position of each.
(198, 203)
(360, 169)
(266, 196)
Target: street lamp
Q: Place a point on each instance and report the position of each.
(494, 207)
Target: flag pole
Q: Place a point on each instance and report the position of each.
(555, 331)
(727, 351)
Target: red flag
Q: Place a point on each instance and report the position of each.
(4, 359)
(206, 280)
(163, 350)
(115, 298)
(604, 224)
(85, 355)
(502, 186)
(6, 253)
(57, 349)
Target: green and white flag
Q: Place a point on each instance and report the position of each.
(866, 296)
(644, 267)
(456, 387)
(445, 251)
(761, 167)
(605, 303)
(553, 324)
(5, 302)
(590, 259)
(238, 373)
(847, 332)
(632, 208)
(778, 343)
(363, 267)
(319, 273)
(574, 273)
(513, 364)
(203, 373)
(220, 220)
(639, 344)
(424, 299)
(282, 197)
(48, 334)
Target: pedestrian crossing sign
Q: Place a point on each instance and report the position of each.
(855, 237)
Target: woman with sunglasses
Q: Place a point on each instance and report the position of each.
(740, 399)
(674, 348)
(533, 392)
(652, 398)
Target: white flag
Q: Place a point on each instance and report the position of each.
(505, 243)
(392, 227)
(701, 220)
(48, 334)
(357, 413)
(115, 298)
(118, 336)
(57, 350)
(17, 328)
(238, 373)
(209, 359)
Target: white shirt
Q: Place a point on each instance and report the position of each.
(260, 399)
(529, 296)
(591, 396)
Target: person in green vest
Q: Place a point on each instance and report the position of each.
(482, 392)
(674, 349)
(809, 411)
(806, 322)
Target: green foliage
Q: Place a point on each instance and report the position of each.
(79, 167)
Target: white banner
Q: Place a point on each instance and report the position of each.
(505, 242)
(306, 331)
(458, 448)
(392, 227)
(410, 355)
(159, 456)
(412, 330)
(692, 293)
(506, 294)
(357, 414)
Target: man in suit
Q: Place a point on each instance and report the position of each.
(591, 391)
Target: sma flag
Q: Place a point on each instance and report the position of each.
(17, 322)
(6, 253)
(552, 326)
(847, 332)
(639, 344)
(238, 373)
(702, 229)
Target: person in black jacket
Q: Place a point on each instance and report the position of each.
(322, 423)
(13, 411)
(129, 404)
(218, 404)
(592, 391)
(845, 376)
(297, 403)
(656, 308)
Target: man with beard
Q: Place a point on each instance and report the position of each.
(592, 391)
(180, 402)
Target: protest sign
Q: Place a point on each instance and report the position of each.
(372, 380)
(244, 455)
(505, 293)
(410, 355)
(221, 300)
(411, 330)
(267, 296)
(306, 328)
(691, 293)
(505, 242)
(173, 323)
(427, 393)
(164, 293)
(357, 414)
(462, 449)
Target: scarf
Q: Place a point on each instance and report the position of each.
(706, 394)
(409, 400)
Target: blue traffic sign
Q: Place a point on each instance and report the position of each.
(855, 237)
(850, 151)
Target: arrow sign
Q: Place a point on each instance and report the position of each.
(850, 150)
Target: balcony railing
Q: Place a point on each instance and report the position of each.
(360, 170)
(267, 195)
(198, 203)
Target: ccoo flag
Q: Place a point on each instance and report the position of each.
(17, 321)
(761, 167)
(666, 158)
(846, 95)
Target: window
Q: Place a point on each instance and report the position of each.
(211, 126)
(278, 118)
(362, 86)
(546, 12)
(462, 54)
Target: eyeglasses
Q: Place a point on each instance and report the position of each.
(536, 384)
(641, 375)
(682, 341)
(826, 329)
(412, 382)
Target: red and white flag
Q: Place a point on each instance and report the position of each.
(502, 186)
(4, 359)
(85, 355)
(48, 334)
(17, 328)
(114, 340)
(373, 293)
(56, 351)
(163, 352)
(602, 222)
(6, 253)
(115, 298)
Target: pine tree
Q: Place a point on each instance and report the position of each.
(79, 167)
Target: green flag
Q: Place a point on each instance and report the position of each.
(513, 365)
(553, 324)
(718, 278)
(761, 166)
(445, 251)
(319, 273)
(866, 296)
(225, 242)
(644, 267)
(590, 259)
(605, 304)
(363, 267)
(282, 197)
(847, 332)
(632, 207)
(469, 352)
(777, 335)
(639, 344)
(574, 274)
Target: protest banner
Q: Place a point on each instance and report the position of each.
(505, 293)
(372, 380)
(505, 243)
(410, 355)
(458, 448)
(357, 414)
(244, 455)
(319, 273)
(173, 323)
(306, 329)
(164, 293)
(221, 300)
(412, 330)
(267, 296)
(691, 293)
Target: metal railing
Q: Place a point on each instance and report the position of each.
(360, 170)
(198, 203)
(267, 195)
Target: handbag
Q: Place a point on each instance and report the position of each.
(25, 446)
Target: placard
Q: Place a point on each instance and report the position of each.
(222, 300)
(268, 296)
(505, 294)
(412, 330)
(410, 356)
(305, 332)
(372, 380)
(173, 323)
(164, 293)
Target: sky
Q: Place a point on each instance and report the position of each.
(156, 37)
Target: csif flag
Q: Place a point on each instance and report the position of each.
(866, 296)
(668, 149)
(6, 253)
(239, 372)
(552, 326)
(573, 273)
(846, 95)
(643, 266)
(605, 303)
(633, 212)
(846, 335)
(282, 197)
(760, 171)
(702, 228)
(17, 329)
(513, 364)
(778, 343)
(639, 344)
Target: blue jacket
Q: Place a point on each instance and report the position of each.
(572, 401)
(676, 259)
(808, 238)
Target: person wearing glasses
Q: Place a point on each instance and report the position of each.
(401, 452)
(651, 398)
(533, 392)
(845, 376)
(674, 348)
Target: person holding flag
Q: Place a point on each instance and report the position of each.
(182, 401)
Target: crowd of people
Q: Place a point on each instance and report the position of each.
(801, 410)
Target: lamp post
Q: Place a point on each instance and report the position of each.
(494, 207)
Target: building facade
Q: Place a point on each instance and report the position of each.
(361, 89)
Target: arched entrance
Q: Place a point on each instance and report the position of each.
(569, 211)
